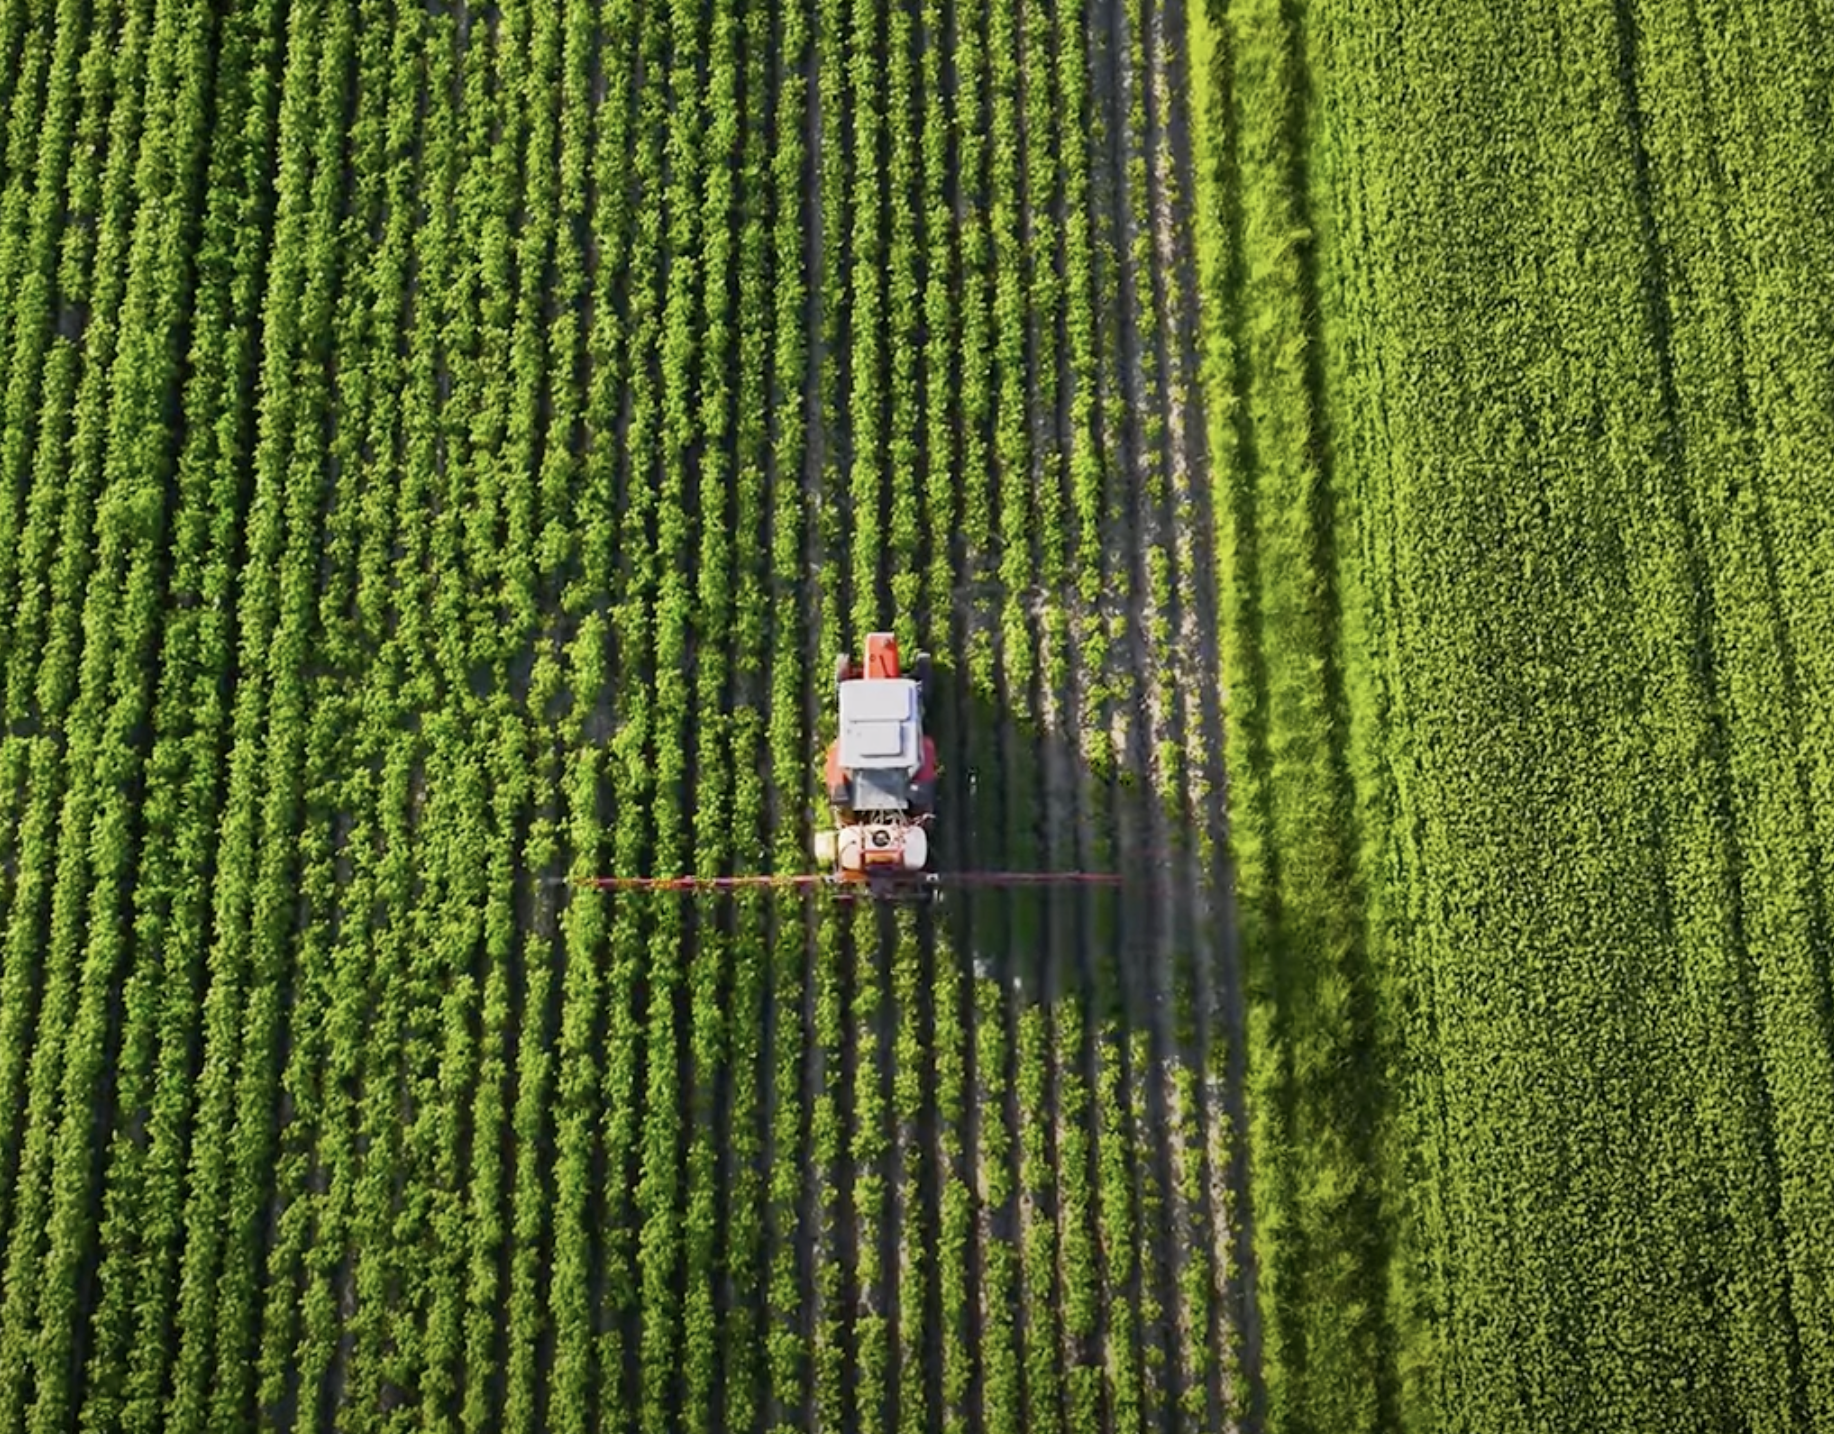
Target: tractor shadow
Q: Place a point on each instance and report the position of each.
(1154, 952)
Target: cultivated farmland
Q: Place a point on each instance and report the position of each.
(444, 450)
(1519, 344)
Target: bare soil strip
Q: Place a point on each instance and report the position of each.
(1205, 873)
(1151, 730)
(1195, 619)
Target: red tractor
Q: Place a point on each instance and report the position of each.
(880, 774)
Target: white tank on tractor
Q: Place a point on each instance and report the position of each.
(880, 772)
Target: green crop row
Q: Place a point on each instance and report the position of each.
(441, 453)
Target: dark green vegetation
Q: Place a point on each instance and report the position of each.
(1521, 354)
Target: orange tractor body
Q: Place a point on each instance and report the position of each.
(880, 773)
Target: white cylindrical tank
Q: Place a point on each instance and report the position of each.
(910, 845)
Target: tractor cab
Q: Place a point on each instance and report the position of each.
(880, 772)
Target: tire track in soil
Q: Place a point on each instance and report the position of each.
(939, 948)
(1223, 1006)
(1202, 783)
(925, 1193)
(965, 953)
(1219, 1014)
(956, 945)
(965, 847)
(1158, 534)
(843, 1178)
(1142, 827)
(974, 927)
(1077, 801)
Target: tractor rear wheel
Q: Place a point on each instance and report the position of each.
(920, 671)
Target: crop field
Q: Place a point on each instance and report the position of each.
(442, 450)
(1522, 354)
